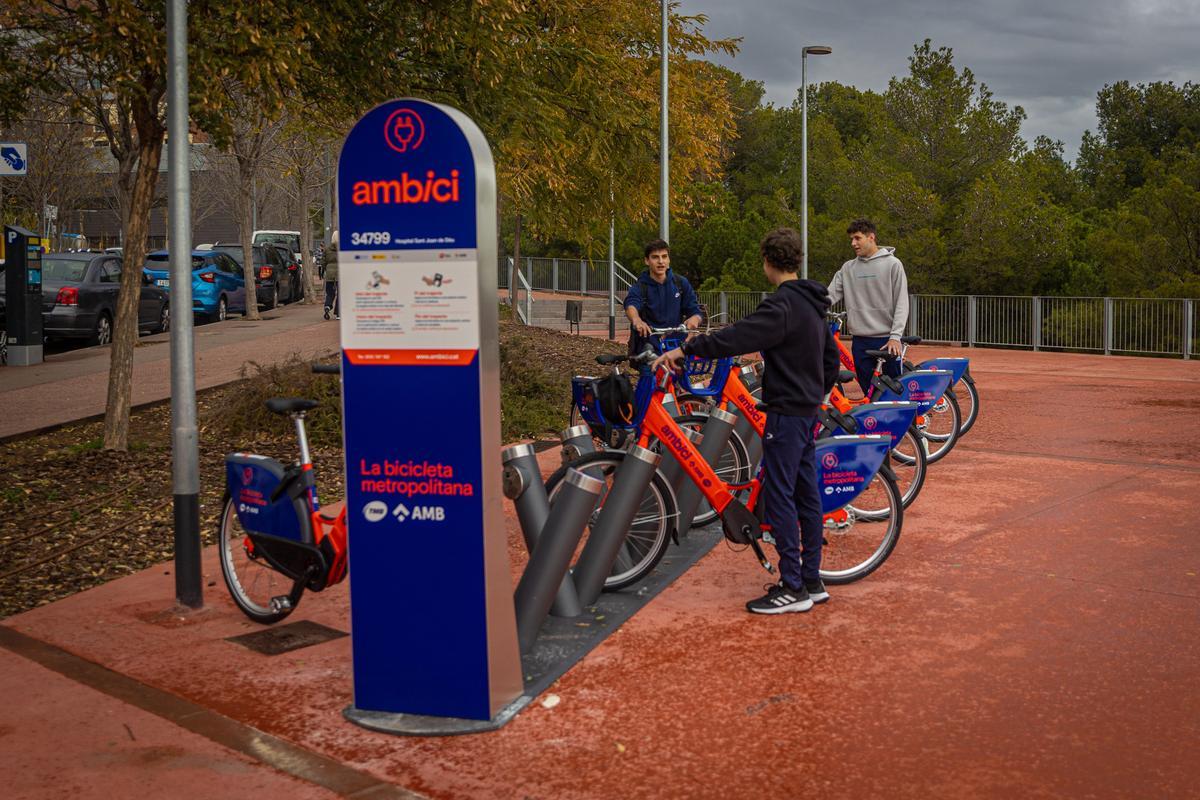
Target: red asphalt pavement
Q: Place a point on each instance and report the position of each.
(1035, 634)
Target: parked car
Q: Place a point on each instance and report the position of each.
(292, 260)
(79, 297)
(274, 281)
(217, 284)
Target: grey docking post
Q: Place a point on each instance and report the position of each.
(523, 485)
(608, 534)
(716, 435)
(576, 441)
(552, 556)
(745, 428)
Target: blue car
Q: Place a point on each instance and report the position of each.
(218, 286)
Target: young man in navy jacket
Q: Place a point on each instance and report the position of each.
(659, 299)
(790, 330)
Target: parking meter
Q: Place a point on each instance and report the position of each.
(23, 290)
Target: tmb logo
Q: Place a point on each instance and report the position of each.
(829, 460)
(404, 130)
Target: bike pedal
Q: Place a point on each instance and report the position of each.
(767, 537)
(281, 603)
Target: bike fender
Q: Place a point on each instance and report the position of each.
(892, 419)
(846, 464)
(251, 480)
(957, 365)
(923, 387)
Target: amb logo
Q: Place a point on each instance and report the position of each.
(403, 513)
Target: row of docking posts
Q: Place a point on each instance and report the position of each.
(602, 504)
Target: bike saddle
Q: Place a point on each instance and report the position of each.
(910, 339)
(884, 354)
(846, 376)
(610, 358)
(290, 405)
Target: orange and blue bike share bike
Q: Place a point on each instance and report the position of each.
(275, 539)
(853, 472)
(943, 422)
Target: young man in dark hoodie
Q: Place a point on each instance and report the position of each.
(790, 330)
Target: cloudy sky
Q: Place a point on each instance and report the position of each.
(1048, 56)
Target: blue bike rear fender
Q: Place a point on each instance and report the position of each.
(891, 418)
(923, 387)
(846, 465)
(251, 480)
(958, 366)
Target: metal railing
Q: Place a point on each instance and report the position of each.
(1121, 325)
(568, 275)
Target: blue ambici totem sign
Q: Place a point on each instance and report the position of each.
(432, 623)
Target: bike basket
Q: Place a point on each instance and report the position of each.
(251, 481)
(892, 419)
(923, 387)
(604, 402)
(846, 465)
(704, 377)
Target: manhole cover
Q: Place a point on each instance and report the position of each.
(286, 638)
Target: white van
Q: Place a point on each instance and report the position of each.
(288, 239)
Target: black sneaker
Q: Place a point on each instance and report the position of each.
(779, 599)
(327, 313)
(816, 590)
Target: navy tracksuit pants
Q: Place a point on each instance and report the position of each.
(864, 365)
(791, 492)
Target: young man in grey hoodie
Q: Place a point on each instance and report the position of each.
(876, 292)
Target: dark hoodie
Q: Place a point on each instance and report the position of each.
(790, 330)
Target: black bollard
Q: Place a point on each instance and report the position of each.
(716, 435)
(551, 557)
(523, 485)
(612, 526)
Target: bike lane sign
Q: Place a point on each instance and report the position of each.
(433, 630)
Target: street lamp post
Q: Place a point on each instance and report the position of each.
(814, 50)
(664, 195)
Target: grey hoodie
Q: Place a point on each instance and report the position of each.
(876, 294)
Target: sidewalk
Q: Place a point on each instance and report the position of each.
(78, 379)
(1033, 635)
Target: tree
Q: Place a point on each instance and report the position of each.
(107, 58)
(302, 156)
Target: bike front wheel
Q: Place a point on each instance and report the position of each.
(857, 546)
(653, 522)
(252, 582)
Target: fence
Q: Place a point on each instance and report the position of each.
(567, 275)
(1122, 325)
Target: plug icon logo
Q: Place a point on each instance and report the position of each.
(404, 130)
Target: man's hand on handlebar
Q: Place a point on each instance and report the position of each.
(642, 328)
(893, 346)
(672, 360)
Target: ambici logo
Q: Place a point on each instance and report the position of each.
(404, 130)
(913, 385)
(829, 460)
(407, 189)
(870, 423)
(247, 476)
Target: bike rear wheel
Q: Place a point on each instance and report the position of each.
(941, 426)
(252, 582)
(967, 395)
(858, 546)
(652, 525)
